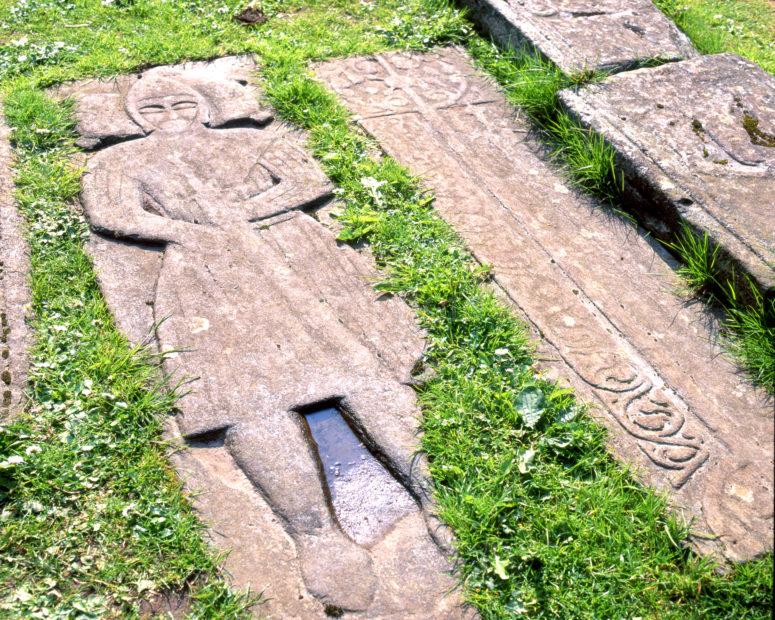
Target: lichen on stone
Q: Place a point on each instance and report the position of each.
(758, 136)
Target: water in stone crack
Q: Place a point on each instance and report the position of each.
(367, 500)
(339, 449)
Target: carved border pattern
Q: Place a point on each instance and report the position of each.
(632, 392)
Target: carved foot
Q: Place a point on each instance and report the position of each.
(337, 571)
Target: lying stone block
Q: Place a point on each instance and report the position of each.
(598, 291)
(14, 291)
(202, 246)
(696, 139)
(579, 35)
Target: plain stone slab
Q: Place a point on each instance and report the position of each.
(14, 291)
(580, 35)
(205, 248)
(598, 291)
(697, 141)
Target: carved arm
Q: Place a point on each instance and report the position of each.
(113, 202)
(301, 182)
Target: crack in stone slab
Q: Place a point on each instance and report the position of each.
(364, 496)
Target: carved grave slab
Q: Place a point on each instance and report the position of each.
(697, 138)
(597, 291)
(579, 35)
(203, 244)
(14, 291)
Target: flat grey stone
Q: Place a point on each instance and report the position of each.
(580, 35)
(598, 291)
(14, 291)
(203, 248)
(681, 138)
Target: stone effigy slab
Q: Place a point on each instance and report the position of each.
(14, 291)
(696, 139)
(597, 290)
(203, 245)
(579, 35)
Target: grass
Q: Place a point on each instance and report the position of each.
(700, 263)
(753, 342)
(750, 321)
(93, 520)
(744, 27)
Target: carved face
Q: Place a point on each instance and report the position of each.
(165, 103)
(170, 113)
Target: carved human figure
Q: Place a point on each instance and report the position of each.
(263, 339)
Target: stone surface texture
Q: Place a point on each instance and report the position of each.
(203, 247)
(580, 35)
(697, 141)
(597, 290)
(14, 291)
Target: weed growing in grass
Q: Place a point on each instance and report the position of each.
(421, 24)
(21, 55)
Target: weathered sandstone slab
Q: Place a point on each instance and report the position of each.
(14, 291)
(580, 35)
(202, 245)
(697, 141)
(598, 291)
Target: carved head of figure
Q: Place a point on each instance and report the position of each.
(165, 103)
